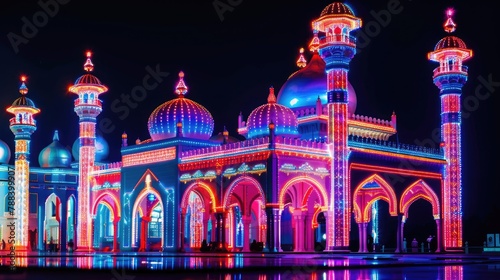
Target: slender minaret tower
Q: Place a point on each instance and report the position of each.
(22, 125)
(87, 107)
(337, 47)
(449, 77)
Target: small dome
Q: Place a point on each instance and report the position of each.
(304, 86)
(284, 119)
(219, 138)
(4, 153)
(55, 154)
(196, 120)
(24, 102)
(337, 8)
(101, 148)
(450, 42)
(88, 79)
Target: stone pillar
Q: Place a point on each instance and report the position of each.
(399, 237)
(115, 235)
(438, 229)
(247, 220)
(182, 231)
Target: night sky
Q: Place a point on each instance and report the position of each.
(231, 58)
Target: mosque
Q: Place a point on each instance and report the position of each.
(311, 175)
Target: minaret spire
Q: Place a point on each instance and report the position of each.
(449, 25)
(88, 66)
(301, 62)
(181, 88)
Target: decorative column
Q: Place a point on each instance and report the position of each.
(247, 220)
(87, 107)
(450, 76)
(22, 126)
(115, 235)
(337, 47)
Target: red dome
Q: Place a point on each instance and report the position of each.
(337, 8)
(88, 79)
(450, 42)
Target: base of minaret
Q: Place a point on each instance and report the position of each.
(337, 249)
(454, 249)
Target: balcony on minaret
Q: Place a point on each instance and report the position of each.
(338, 39)
(88, 101)
(23, 119)
(450, 68)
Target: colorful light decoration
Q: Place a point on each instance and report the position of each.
(284, 119)
(22, 126)
(337, 48)
(197, 122)
(87, 107)
(449, 77)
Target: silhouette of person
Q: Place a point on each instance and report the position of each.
(414, 245)
(3, 244)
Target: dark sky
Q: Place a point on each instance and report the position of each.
(230, 61)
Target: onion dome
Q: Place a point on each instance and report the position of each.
(88, 79)
(55, 154)
(4, 153)
(337, 8)
(196, 121)
(304, 86)
(284, 119)
(101, 148)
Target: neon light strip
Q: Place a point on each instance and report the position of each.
(397, 155)
(400, 171)
(149, 157)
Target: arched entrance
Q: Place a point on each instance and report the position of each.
(71, 219)
(418, 195)
(365, 196)
(198, 206)
(147, 220)
(304, 198)
(51, 224)
(246, 218)
(106, 215)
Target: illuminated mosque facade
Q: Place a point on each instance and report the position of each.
(311, 174)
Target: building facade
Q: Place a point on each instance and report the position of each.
(311, 175)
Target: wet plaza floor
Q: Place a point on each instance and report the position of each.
(136, 266)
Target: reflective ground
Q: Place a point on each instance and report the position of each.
(251, 266)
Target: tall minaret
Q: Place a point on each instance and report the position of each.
(449, 77)
(22, 125)
(87, 107)
(337, 47)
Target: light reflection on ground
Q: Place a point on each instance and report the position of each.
(254, 266)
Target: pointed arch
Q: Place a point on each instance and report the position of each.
(238, 181)
(199, 185)
(314, 183)
(417, 190)
(367, 192)
(111, 200)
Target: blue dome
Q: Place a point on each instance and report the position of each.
(304, 86)
(197, 122)
(55, 154)
(101, 148)
(4, 153)
(284, 119)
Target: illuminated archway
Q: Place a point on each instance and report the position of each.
(367, 192)
(413, 193)
(366, 195)
(52, 222)
(245, 217)
(302, 199)
(146, 203)
(419, 190)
